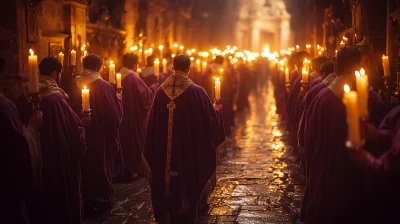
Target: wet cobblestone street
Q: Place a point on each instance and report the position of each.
(258, 180)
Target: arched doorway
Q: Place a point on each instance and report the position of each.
(263, 22)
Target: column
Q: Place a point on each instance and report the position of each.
(255, 39)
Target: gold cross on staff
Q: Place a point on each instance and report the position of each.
(171, 106)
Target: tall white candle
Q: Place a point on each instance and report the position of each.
(111, 73)
(73, 58)
(118, 78)
(60, 58)
(362, 91)
(157, 67)
(217, 88)
(304, 76)
(85, 100)
(287, 77)
(350, 100)
(161, 48)
(33, 86)
(386, 65)
(204, 67)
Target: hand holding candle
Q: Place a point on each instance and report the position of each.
(33, 70)
(386, 66)
(350, 100)
(85, 100)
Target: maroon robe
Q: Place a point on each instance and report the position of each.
(148, 76)
(196, 135)
(16, 171)
(102, 138)
(315, 82)
(137, 100)
(333, 185)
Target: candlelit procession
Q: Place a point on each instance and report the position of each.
(200, 111)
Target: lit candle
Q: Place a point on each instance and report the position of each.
(85, 100)
(353, 120)
(362, 91)
(138, 70)
(60, 57)
(221, 71)
(386, 65)
(33, 86)
(198, 65)
(118, 78)
(164, 64)
(304, 76)
(73, 58)
(204, 66)
(217, 89)
(181, 48)
(111, 72)
(342, 44)
(306, 65)
(161, 47)
(287, 78)
(157, 67)
(176, 48)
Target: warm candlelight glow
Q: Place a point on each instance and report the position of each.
(73, 58)
(111, 72)
(33, 72)
(362, 91)
(297, 47)
(85, 100)
(346, 88)
(164, 64)
(287, 78)
(362, 71)
(386, 66)
(139, 70)
(217, 88)
(175, 45)
(157, 67)
(304, 76)
(160, 47)
(181, 47)
(118, 80)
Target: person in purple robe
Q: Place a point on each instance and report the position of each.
(62, 139)
(333, 184)
(137, 100)
(382, 173)
(208, 78)
(148, 73)
(244, 86)
(184, 134)
(17, 170)
(102, 136)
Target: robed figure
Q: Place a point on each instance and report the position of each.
(62, 139)
(137, 100)
(16, 170)
(102, 136)
(184, 134)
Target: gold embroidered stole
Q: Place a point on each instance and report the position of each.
(173, 87)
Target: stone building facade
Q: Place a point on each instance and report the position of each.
(105, 27)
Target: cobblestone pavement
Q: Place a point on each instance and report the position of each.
(259, 179)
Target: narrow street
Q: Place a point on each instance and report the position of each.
(259, 179)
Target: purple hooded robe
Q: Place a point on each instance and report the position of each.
(137, 100)
(102, 138)
(184, 134)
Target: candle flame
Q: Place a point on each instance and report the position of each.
(204, 63)
(61, 53)
(282, 69)
(287, 70)
(84, 87)
(164, 60)
(297, 47)
(357, 74)
(31, 52)
(362, 72)
(111, 62)
(175, 45)
(384, 56)
(192, 58)
(160, 47)
(197, 61)
(181, 47)
(221, 70)
(157, 61)
(217, 79)
(346, 88)
(139, 70)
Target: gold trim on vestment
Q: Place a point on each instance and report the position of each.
(171, 106)
(176, 84)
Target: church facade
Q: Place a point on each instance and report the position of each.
(263, 22)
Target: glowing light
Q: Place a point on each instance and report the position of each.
(346, 88)
(31, 52)
(362, 72)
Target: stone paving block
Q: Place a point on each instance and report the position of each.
(262, 217)
(244, 200)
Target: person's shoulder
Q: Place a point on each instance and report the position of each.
(196, 88)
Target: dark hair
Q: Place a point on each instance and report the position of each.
(49, 65)
(150, 60)
(219, 59)
(327, 68)
(181, 62)
(92, 62)
(348, 58)
(130, 60)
